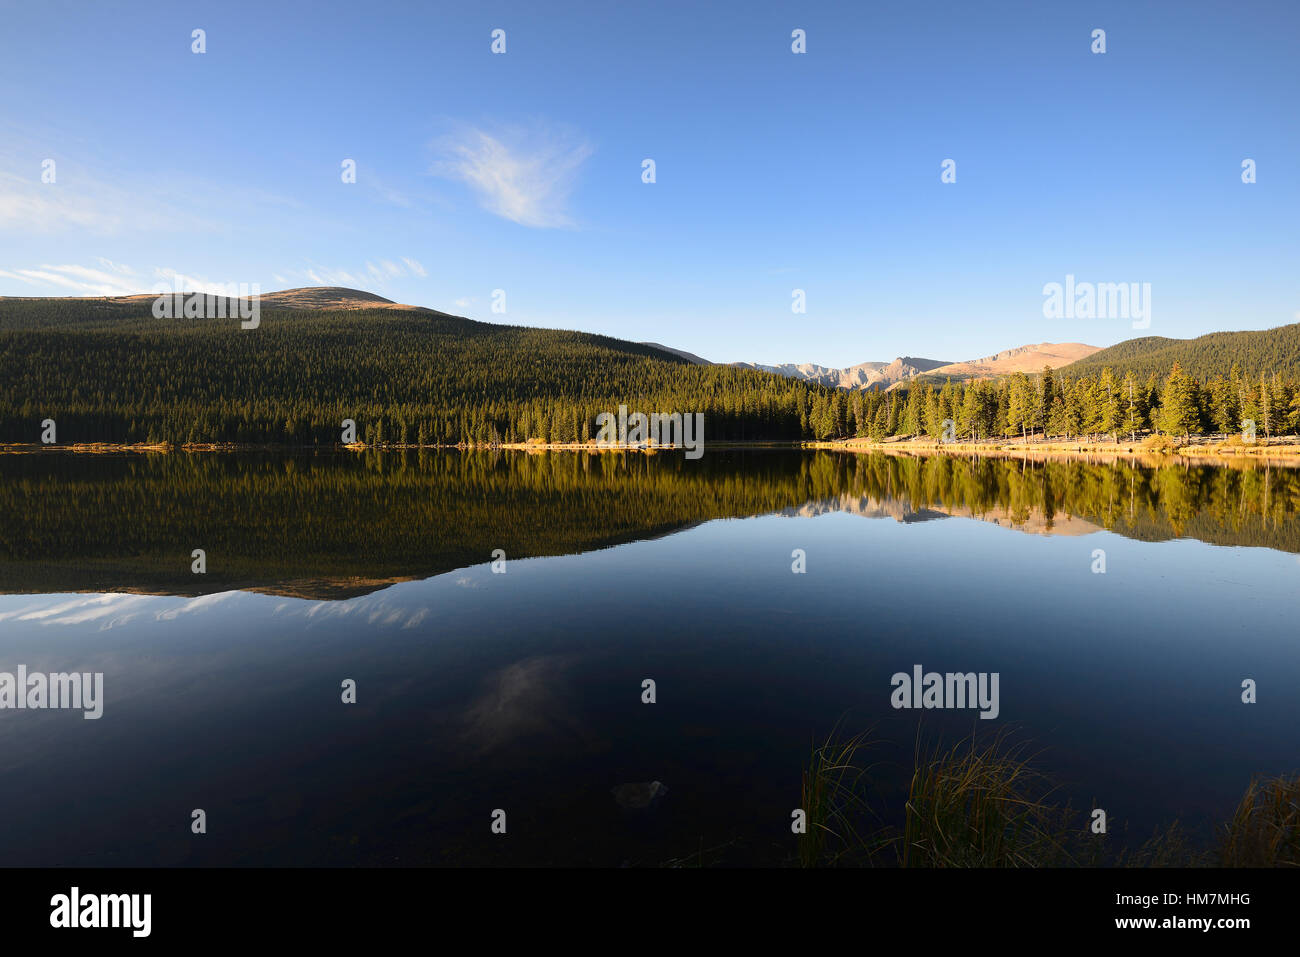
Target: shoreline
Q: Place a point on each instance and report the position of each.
(1210, 451)
(1285, 451)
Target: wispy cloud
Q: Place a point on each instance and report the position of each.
(166, 280)
(115, 267)
(115, 279)
(373, 274)
(92, 194)
(77, 201)
(79, 279)
(523, 176)
(119, 279)
(386, 192)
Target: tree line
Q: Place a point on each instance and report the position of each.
(1054, 404)
(404, 378)
(115, 374)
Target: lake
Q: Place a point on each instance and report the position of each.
(521, 689)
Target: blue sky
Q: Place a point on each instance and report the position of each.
(775, 171)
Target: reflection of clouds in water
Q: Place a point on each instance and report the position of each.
(466, 582)
(379, 609)
(391, 608)
(108, 609)
(418, 617)
(529, 698)
(201, 603)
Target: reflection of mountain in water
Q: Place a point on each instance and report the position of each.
(865, 506)
(1035, 521)
(334, 525)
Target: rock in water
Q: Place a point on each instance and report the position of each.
(639, 797)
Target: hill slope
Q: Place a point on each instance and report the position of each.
(1267, 350)
(107, 370)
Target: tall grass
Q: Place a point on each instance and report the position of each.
(1265, 829)
(982, 805)
(834, 798)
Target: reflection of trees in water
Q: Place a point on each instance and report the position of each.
(347, 522)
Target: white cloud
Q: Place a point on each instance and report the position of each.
(27, 204)
(115, 267)
(77, 279)
(322, 276)
(373, 274)
(170, 280)
(118, 279)
(525, 177)
(385, 270)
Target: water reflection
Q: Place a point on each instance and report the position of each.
(522, 691)
(331, 526)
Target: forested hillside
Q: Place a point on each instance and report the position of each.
(1267, 351)
(1063, 404)
(108, 371)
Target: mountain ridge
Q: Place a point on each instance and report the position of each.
(893, 375)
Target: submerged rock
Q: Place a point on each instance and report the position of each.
(639, 797)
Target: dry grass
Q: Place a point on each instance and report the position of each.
(1265, 829)
(1161, 444)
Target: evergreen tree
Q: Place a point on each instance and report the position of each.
(1178, 411)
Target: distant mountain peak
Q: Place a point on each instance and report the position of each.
(889, 375)
(864, 375)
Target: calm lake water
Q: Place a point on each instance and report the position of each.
(522, 691)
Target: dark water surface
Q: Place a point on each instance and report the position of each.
(522, 691)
